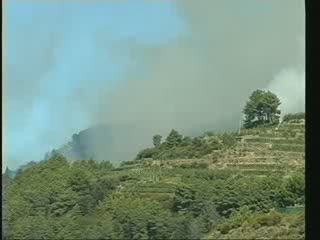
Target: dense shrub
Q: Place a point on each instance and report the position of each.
(186, 147)
(261, 226)
(293, 116)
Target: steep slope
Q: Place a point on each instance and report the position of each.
(114, 143)
(95, 142)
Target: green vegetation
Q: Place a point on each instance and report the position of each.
(294, 117)
(177, 146)
(56, 199)
(262, 109)
(213, 186)
(157, 140)
(272, 225)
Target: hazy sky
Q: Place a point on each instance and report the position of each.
(156, 65)
(54, 48)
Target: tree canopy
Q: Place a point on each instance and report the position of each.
(174, 138)
(157, 140)
(57, 199)
(261, 109)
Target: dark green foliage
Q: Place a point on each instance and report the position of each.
(178, 147)
(186, 141)
(174, 139)
(147, 153)
(261, 109)
(157, 140)
(184, 199)
(196, 142)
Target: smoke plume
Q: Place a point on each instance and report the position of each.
(199, 81)
(203, 79)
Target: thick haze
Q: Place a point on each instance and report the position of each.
(198, 80)
(203, 79)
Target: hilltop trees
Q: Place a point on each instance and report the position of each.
(177, 146)
(186, 141)
(174, 138)
(157, 140)
(262, 108)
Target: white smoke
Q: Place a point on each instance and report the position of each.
(289, 85)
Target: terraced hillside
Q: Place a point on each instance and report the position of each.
(279, 149)
(257, 151)
(212, 197)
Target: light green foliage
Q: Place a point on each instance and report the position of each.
(296, 186)
(228, 139)
(134, 218)
(271, 225)
(53, 191)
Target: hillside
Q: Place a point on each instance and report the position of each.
(114, 142)
(256, 150)
(100, 142)
(85, 144)
(215, 186)
(56, 199)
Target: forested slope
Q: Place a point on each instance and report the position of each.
(231, 186)
(57, 199)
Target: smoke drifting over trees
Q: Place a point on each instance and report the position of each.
(203, 79)
(200, 80)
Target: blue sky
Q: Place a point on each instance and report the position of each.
(55, 47)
